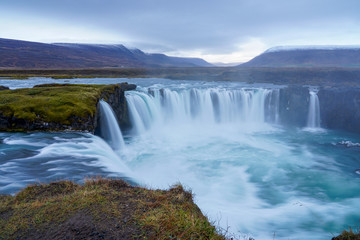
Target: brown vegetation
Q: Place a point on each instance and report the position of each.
(102, 209)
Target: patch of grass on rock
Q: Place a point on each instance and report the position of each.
(52, 102)
(102, 209)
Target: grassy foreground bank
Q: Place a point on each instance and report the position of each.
(102, 209)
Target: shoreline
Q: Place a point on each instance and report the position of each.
(320, 76)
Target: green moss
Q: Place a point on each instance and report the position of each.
(59, 103)
(111, 208)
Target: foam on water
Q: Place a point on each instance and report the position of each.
(256, 189)
(95, 148)
(29, 142)
(349, 144)
(72, 156)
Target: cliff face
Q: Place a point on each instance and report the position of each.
(339, 107)
(60, 107)
(116, 99)
(294, 104)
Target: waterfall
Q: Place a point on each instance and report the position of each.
(272, 107)
(314, 110)
(109, 127)
(202, 105)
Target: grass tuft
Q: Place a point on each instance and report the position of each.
(102, 209)
(351, 234)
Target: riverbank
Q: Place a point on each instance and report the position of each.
(102, 209)
(321, 76)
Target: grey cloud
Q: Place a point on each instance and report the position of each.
(211, 26)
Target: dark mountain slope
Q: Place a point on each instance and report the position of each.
(32, 55)
(148, 59)
(311, 57)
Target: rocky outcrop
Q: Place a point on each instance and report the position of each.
(14, 124)
(60, 107)
(102, 209)
(116, 99)
(339, 107)
(294, 104)
(3, 88)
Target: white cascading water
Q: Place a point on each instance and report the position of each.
(205, 106)
(222, 140)
(109, 127)
(313, 121)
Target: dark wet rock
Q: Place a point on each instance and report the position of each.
(3, 88)
(294, 104)
(339, 107)
(117, 101)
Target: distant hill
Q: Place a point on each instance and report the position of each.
(319, 56)
(33, 55)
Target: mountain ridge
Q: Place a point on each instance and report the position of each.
(311, 47)
(307, 56)
(34, 55)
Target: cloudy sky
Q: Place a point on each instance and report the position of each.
(216, 30)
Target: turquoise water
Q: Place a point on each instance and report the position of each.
(289, 182)
(251, 174)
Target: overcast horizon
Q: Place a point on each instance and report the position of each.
(226, 31)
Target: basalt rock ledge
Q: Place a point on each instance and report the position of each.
(61, 107)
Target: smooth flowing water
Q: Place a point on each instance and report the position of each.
(224, 141)
(313, 121)
(109, 127)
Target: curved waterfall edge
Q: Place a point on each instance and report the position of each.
(109, 128)
(309, 108)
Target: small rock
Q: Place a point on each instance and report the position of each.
(3, 88)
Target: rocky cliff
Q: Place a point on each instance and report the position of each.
(60, 107)
(339, 107)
